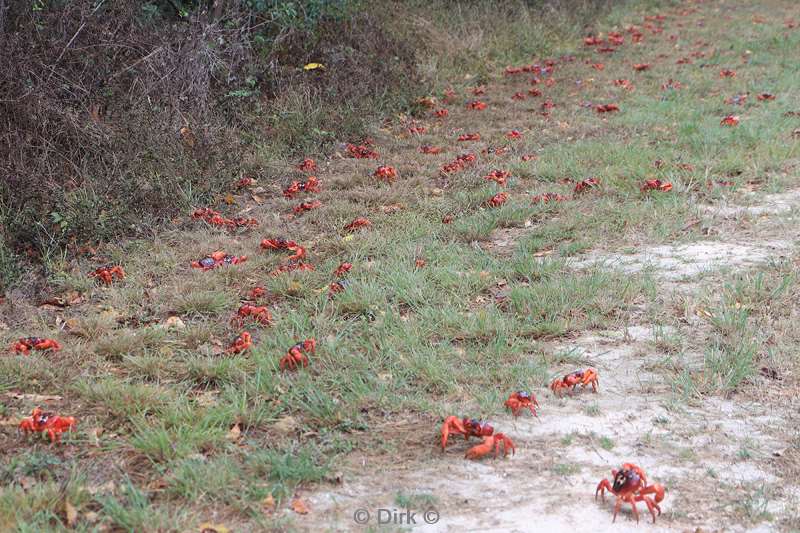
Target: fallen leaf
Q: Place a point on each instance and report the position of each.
(299, 507)
(91, 517)
(71, 512)
(542, 253)
(208, 527)
(268, 503)
(257, 199)
(95, 434)
(35, 398)
(314, 66)
(285, 425)
(235, 433)
(229, 199)
(174, 322)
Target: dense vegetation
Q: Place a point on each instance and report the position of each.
(116, 115)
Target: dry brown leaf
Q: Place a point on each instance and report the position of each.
(299, 507)
(257, 199)
(35, 398)
(229, 199)
(71, 512)
(542, 253)
(174, 322)
(235, 433)
(268, 503)
(95, 433)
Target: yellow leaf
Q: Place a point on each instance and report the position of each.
(207, 527)
(299, 507)
(268, 503)
(314, 66)
(347, 238)
(235, 432)
(229, 199)
(71, 512)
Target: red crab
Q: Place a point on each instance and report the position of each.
(579, 377)
(427, 149)
(529, 157)
(216, 259)
(586, 184)
(107, 273)
(26, 344)
(534, 92)
(476, 105)
(729, 120)
(441, 113)
(279, 243)
(737, 99)
(598, 66)
(592, 41)
(765, 96)
(625, 84)
(727, 73)
(296, 356)
(671, 84)
(656, 185)
(310, 185)
(259, 314)
(357, 223)
(215, 218)
(520, 400)
(548, 197)
(470, 137)
(497, 200)
(447, 219)
(616, 38)
(420, 263)
(245, 182)
(307, 165)
(53, 425)
(469, 427)
(343, 269)
(337, 287)
(361, 151)
(306, 206)
(489, 443)
(291, 267)
(606, 108)
(240, 343)
(513, 134)
(386, 173)
(518, 96)
(417, 130)
(460, 163)
(547, 105)
(630, 485)
(479, 90)
(257, 292)
(498, 176)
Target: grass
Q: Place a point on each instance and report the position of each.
(401, 342)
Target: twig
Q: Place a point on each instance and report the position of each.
(80, 29)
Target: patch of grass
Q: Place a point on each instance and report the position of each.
(592, 409)
(607, 443)
(417, 500)
(566, 469)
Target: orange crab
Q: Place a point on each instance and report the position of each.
(498, 176)
(257, 292)
(630, 486)
(337, 286)
(441, 113)
(470, 137)
(306, 206)
(625, 84)
(641, 66)
(420, 263)
(469, 427)
(357, 223)
(216, 259)
(489, 443)
(548, 197)
(53, 425)
(215, 218)
(241, 343)
(417, 130)
(26, 344)
(586, 184)
(296, 356)
(534, 92)
(291, 267)
(579, 377)
(497, 200)
(518, 96)
(476, 105)
(386, 173)
(727, 73)
(765, 96)
(106, 274)
(520, 400)
(310, 185)
(656, 185)
(730, 120)
(460, 163)
(513, 135)
(259, 314)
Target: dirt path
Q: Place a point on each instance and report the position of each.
(722, 459)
